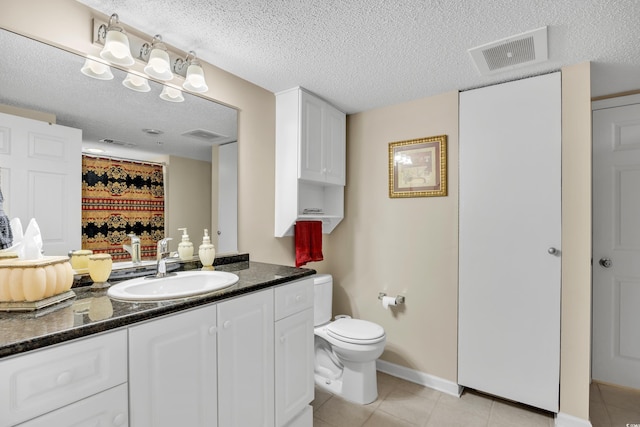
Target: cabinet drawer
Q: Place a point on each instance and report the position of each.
(39, 382)
(294, 297)
(109, 408)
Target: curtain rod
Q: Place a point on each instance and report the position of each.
(96, 156)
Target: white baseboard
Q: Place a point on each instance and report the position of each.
(436, 383)
(566, 420)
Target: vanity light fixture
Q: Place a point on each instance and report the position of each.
(96, 70)
(158, 65)
(136, 83)
(116, 43)
(94, 150)
(171, 94)
(192, 71)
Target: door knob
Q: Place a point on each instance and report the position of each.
(605, 262)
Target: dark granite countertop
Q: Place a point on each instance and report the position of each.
(92, 311)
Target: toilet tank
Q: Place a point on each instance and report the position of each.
(323, 294)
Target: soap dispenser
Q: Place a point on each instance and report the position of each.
(206, 252)
(185, 247)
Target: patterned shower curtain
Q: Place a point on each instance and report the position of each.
(119, 198)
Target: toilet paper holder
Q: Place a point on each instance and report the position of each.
(399, 298)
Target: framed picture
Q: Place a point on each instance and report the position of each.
(418, 167)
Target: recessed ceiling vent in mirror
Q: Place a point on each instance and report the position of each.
(116, 142)
(512, 52)
(204, 135)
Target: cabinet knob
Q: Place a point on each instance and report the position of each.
(212, 330)
(226, 324)
(298, 298)
(118, 420)
(283, 339)
(64, 378)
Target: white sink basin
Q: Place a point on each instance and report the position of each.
(181, 285)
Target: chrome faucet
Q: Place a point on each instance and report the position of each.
(134, 249)
(161, 256)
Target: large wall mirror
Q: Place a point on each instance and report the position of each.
(129, 124)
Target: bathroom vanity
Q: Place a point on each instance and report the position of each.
(242, 356)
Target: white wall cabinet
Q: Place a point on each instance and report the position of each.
(46, 380)
(322, 140)
(245, 361)
(310, 160)
(172, 376)
(294, 353)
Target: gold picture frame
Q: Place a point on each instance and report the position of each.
(418, 167)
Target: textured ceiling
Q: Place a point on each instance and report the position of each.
(362, 54)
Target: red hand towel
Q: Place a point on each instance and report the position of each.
(308, 241)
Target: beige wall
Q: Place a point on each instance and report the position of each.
(189, 198)
(575, 369)
(400, 246)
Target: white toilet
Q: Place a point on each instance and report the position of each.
(345, 349)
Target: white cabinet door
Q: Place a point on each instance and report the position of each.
(109, 408)
(294, 365)
(41, 168)
(311, 164)
(509, 283)
(334, 146)
(172, 370)
(322, 141)
(245, 361)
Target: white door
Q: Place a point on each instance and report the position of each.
(294, 353)
(616, 243)
(172, 370)
(510, 221)
(228, 198)
(41, 167)
(245, 361)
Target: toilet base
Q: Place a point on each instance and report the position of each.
(358, 383)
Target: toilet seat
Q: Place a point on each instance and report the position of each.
(355, 331)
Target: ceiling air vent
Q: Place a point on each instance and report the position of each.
(516, 51)
(116, 142)
(204, 135)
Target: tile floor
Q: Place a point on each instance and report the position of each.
(613, 406)
(404, 404)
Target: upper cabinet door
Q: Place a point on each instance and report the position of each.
(334, 146)
(311, 164)
(322, 141)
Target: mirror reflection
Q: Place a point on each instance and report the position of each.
(128, 124)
